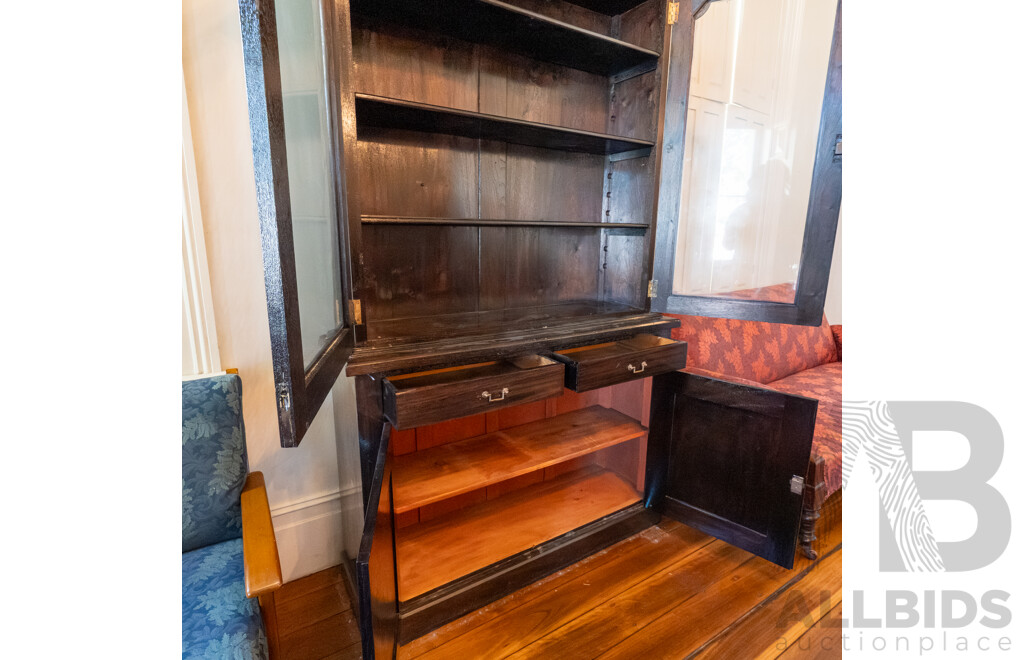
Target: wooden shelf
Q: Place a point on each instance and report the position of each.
(608, 7)
(428, 342)
(436, 474)
(518, 30)
(382, 112)
(517, 321)
(481, 222)
(436, 552)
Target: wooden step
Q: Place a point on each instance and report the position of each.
(434, 553)
(436, 474)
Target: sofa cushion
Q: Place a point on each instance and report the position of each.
(217, 620)
(824, 383)
(213, 460)
(755, 350)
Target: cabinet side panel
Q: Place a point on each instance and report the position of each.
(633, 110)
(644, 25)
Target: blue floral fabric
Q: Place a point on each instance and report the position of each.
(213, 460)
(217, 620)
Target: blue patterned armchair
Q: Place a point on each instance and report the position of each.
(229, 562)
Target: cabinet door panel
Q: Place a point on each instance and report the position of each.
(375, 564)
(749, 195)
(729, 460)
(304, 233)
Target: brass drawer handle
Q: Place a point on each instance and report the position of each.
(494, 397)
(643, 365)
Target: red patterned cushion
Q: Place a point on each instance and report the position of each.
(824, 383)
(697, 371)
(837, 334)
(754, 350)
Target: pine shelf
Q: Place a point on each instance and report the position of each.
(434, 553)
(442, 472)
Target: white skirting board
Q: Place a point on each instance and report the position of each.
(311, 533)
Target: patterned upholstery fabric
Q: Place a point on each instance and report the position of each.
(837, 334)
(217, 620)
(824, 383)
(697, 371)
(754, 350)
(213, 460)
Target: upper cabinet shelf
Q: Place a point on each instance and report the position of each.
(511, 28)
(495, 222)
(608, 7)
(381, 112)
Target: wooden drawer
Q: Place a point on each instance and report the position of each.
(590, 367)
(428, 397)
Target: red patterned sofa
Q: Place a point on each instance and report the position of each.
(802, 360)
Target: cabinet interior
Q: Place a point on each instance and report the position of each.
(502, 182)
(470, 492)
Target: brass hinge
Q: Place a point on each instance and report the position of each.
(652, 289)
(673, 13)
(355, 311)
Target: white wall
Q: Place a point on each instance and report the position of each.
(834, 296)
(306, 496)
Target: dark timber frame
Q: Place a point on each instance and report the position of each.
(552, 216)
(822, 212)
(300, 390)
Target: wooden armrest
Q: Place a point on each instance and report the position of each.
(259, 546)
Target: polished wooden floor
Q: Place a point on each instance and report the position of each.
(668, 592)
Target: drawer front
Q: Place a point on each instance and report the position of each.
(597, 366)
(432, 397)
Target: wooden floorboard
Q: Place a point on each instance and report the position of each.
(771, 628)
(321, 639)
(308, 584)
(667, 592)
(824, 641)
(523, 622)
(478, 625)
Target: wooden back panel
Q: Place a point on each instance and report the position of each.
(424, 270)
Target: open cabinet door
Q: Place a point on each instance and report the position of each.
(730, 460)
(300, 196)
(751, 161)
(375, 565)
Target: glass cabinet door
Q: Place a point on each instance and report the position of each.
(751, 161)
(288, 75)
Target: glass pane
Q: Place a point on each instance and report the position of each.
(756, 91)
(307, 140)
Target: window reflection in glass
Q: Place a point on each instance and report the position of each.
(756, 91)
(307, 141)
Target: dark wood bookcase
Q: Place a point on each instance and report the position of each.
(497, 168)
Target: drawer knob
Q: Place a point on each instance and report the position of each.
(500, 396)
(643, 365)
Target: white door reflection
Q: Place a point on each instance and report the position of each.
(756, 93)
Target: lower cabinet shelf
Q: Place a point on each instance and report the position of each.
(433, 553)
(433, 475)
